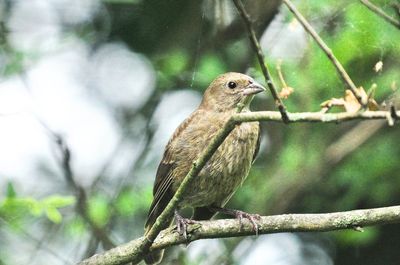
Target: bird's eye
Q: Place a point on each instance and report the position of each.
(232, 85)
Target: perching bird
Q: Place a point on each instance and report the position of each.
(227, 168)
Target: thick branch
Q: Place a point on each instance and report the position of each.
(340, 69)
(135, 251)
(381, 13)
(260, 56)
(267, 224)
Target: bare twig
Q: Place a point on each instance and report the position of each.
(80, 192)
(267, 224)
(340, 69)
(260, 56)
(314, 116)
(43, 245)
(280, 74)
(381, 13)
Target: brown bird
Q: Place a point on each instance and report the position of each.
(227, 168)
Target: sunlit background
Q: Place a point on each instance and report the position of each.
(113, 78)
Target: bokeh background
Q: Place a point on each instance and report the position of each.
(111, 79)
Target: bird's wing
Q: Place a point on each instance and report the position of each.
(162, 190)
(258, 143)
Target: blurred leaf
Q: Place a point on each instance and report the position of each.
(58, 201)
(352, 237)
(15, 209)
(209, 67)
(98, 207)
(131, 201)
(54, 215)
(10, 190)
(76, 227)
(174, 63)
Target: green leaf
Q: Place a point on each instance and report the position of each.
(351, 237)
(175, 63)
(58, 201)
(10, 190)
(210, 66)
(99, 211)
(131, 201)
(54, 215)
(35, 207)
(76, 227)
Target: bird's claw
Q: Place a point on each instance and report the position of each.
(253, 218)
(182, 223)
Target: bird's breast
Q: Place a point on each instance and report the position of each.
(227, 168)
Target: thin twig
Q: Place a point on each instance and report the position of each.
(315, 116)
(267, 224)
(280, 74)
(381, 13)
(80, 193)
(260, 56)
(340, 69)
(43, 245)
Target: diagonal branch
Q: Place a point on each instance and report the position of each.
(161, 223)
(339, 67)
(381, 13)
(260, 56)
(267, 224)
(143, 245)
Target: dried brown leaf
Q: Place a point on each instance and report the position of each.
(349, 102)
(286, 92)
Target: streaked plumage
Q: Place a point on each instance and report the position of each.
(227, 168)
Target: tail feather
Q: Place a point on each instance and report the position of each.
(153, 257)
(156, 208)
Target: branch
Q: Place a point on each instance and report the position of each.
(340, 69)
(381, 13)
(80, 193)
(167, 214)
(317, 116)
(267, 224)
(260, 56)
(143, 245)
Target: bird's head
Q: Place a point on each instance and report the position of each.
(229, 90)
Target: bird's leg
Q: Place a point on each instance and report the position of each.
(253, 218)
(181, 224)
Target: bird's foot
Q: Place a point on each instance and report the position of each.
(253, 218)
(182, 223)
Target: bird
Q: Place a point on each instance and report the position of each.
(225, 171)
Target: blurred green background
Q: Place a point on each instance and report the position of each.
(114, 78)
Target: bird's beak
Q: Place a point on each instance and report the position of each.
(253, 89)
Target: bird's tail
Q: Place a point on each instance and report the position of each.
(153, 257)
